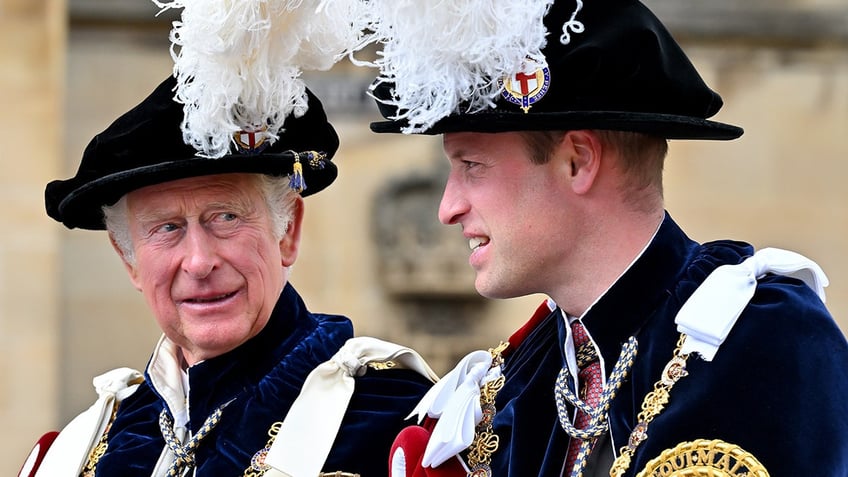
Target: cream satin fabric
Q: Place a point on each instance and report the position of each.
(310, 427)
(69, 452)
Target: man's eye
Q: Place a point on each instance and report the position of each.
(165, 228)
(224, 220)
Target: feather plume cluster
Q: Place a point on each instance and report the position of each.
(238, 62)
(445, 54)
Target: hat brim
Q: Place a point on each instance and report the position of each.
(81, 207)
(662, 125)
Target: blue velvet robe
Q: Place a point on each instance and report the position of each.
(263, 377)
(777, 386)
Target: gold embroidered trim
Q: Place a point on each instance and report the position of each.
(485, 441)
(653, 404)
(100, 449)
(379, 366)
(703, 458)
(258, 467)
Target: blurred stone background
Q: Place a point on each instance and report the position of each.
(373, 247)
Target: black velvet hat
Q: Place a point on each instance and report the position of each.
(145, 146)
(618, 69)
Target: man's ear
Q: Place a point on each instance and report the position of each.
(290, 242)
(131, 269)
(583, 150)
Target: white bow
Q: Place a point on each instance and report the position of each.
(455, 402)
(710, 313)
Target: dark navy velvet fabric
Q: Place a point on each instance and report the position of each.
(776, 387)
(262, 378)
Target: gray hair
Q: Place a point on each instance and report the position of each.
(279, 198)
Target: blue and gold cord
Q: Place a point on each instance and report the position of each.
(185, 453)
(598, 422)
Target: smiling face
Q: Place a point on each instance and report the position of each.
(207, 259)
(514, 213)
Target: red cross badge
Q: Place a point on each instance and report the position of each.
(526, 89)
(251, 142)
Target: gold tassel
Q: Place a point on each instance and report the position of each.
(296, 182)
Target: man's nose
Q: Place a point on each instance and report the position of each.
(453, 205)
(201, 255)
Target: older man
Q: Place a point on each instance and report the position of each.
(657, 355)
(245, 379)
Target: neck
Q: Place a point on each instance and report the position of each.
(611, 246)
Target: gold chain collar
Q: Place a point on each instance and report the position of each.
(653, 404)
(485, 441)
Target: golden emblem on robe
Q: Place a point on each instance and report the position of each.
(704, 458)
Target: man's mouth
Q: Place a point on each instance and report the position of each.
(475, 242)
(210, 299)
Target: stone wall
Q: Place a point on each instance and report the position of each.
(31, 61)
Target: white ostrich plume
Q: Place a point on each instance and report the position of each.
(442, 55)
(238, 62)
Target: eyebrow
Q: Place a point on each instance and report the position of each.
(152, 216)
(456, 153)
(239, 205)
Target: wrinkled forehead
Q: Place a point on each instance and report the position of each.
(222, 189)
(230, 183)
